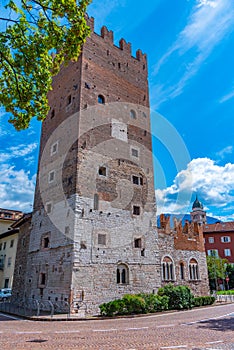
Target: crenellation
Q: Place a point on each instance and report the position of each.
(107, 35)
(126, 47)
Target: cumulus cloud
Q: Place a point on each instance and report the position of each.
(209, 23)
(213, 183)
(18, 151)
(16, 188)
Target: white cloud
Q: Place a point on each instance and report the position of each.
(214, 183)
(227, 150)
(16, 188)
(227, 97)
(17, 151)
(208, 24)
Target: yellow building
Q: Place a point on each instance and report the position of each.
(8, 245)
(7, 218)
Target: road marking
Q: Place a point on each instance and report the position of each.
(205, 319)
(214, 342)
(165, 325)
(174, 347)
(66, 332)
(105, 330)
(35, 332)
(135, 328)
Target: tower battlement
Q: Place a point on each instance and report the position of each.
(108, 37)
(186, 237)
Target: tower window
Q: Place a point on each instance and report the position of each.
(135, 153)
(132, 114)
(101, 239)
(46, 242)
(51, 176)
(101, 99)
(137, 243)
(137, 180)
(136, 210)
(54, 148)
(42, 279)
(102, 170)
(95, 201)
(69, 99)
(52, 114)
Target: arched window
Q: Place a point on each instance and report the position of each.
(122, 274)
(182, 270)
(193, 270)
(167, 269)
(101, 99)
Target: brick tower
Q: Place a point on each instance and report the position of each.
(93, 233)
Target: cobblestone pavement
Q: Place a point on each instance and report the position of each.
(199, 329)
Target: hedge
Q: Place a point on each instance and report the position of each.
(168, 298)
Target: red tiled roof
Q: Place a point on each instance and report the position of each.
(219, 227)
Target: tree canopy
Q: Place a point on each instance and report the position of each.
(36, 38)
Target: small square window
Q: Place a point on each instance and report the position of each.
(135, 180)
(132, 114)
(46, 242)
(101, 239)
(211, 239)
(136, 210)
(137, 243)
(54, 148)
(102, 171)
(51, 176)
(135, 152)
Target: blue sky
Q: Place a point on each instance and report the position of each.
(190, 50)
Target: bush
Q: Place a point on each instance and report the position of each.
(115, 307)
(155, 303)
(225, 292)
(133, 304)
(202, 301)
(180, 297)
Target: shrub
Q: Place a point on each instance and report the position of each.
(115, 307)
(225, 292)
(202, 301)
(155, 303)
(180, 297)
(133, 304)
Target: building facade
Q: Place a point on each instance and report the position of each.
(8, 217)
(93, 230)
(8, 247)
(219, 240)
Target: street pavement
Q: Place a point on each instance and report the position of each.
(210, 328)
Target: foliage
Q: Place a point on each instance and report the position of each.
(154, 302)
(38, 36)
(216, 270)
(230, 274)
(225, 292)
(134, 304)
(202, 301)
(180, 297)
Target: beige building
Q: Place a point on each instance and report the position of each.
(7, 218)
(8, 247)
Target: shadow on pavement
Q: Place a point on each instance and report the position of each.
(224, 325)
